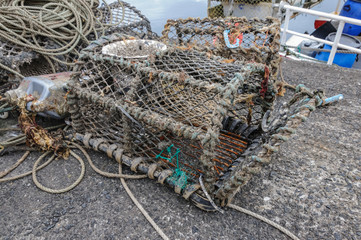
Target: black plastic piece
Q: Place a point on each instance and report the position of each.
(241, 129)
(323, 31)
(249, 131)
(225, 122)
(234, 125)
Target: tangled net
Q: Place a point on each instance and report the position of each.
(258, 40)
(40, 37)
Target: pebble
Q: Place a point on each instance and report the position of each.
(49, 227)
(195, 229)
(318, 205)
(56, 219)
(28, 231)
(337, 236)
(69, 226)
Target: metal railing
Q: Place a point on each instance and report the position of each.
(335, 44)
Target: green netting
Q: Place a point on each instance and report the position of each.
(179, 177)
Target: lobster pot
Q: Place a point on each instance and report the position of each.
(251, 40)
(125, 18)
(181, 111)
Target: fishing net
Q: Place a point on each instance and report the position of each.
(167, 107)
(30, 49)
(251, 40)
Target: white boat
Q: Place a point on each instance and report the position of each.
(335, 42)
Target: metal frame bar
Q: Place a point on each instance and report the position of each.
(342, 20)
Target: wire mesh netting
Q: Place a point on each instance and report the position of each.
(231, 38)
(169, 105)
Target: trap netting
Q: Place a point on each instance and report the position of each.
(125, 18)
(13, 57)
(165, 106)
(251, 40)
(36, 45)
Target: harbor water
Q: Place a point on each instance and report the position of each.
(158, 11)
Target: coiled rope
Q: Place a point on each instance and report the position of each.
(54, 29)
(50, 190)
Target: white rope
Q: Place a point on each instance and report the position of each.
(273, 224)
(139, 206)
(209, 197)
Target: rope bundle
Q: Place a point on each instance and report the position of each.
(54, 29)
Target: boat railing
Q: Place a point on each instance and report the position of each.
(335, 44)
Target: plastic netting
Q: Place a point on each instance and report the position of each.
(251, 40)
(168, 106)
(18, 61)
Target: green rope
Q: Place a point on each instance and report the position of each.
(179, 177)
(2, 110)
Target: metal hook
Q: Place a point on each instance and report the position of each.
(226, 40)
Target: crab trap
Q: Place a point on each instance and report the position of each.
(251, 40)
(189, 120)
(124, 18)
